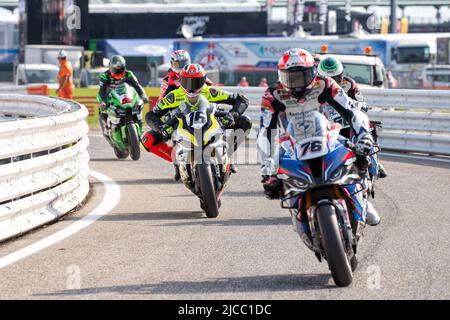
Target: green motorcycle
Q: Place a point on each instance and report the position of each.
(125, 121)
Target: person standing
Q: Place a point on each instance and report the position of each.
(263, 83)
(243, 82)
(65, 77)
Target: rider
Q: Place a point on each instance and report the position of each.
(300, 91)
(332, 67)
(178, 60)
(193, 84)
(116, 75)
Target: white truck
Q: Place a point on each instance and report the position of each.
(367, 71)
(41, 62)
(37, 74)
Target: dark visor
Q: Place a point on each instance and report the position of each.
(297, 77)
(118, 70)
(192, 84)
(179, 64)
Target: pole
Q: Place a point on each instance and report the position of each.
(393, 21)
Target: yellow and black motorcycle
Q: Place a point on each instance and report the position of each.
(201, 151)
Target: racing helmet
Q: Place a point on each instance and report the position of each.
(193, 78)
(331, 67)
(179, 59)
(296, 71)
(117, 67)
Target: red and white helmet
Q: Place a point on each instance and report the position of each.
(297, 70)
(179, 59)
(193, 78)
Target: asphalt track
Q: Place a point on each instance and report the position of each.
(157, 244)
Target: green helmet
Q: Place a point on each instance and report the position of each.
(117, 66)
(331, 67)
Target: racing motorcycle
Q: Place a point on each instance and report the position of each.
(374, 163)
(125, 121)
(326, 196)
(201, 151)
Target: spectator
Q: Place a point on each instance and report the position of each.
(263, 83)
(65, 77)
(243, 82)
(392, 82)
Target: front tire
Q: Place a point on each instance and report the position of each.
(208, 191)
(334, 248)
(134, 145)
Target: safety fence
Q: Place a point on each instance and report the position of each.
(43, 161)
(414, 120)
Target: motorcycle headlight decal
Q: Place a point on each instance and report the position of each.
(137, 108)
(114, 120)
(185, 134)
(211, 130)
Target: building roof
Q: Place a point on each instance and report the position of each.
(139, 6)
(363, 3)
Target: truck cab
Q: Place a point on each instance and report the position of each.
(368, 71)
(37, 74)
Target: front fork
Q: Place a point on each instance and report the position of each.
(120, 136)
(308, 230)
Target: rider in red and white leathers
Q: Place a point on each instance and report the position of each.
(299, 92)
(178, 60)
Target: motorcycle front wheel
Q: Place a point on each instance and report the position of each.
(207, 189)
(334, 248)
(120, 154)
(134, 145)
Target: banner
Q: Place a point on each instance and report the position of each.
(323, 11)
(299, 12)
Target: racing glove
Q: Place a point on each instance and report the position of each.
(364, 145)
(227, 121)
(145, 99)
(102, 106)
(166, 132)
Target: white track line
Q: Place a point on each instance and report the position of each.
(409, 156)
(110, 200)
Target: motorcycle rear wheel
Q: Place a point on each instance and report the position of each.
(208, 191)
(334, 249)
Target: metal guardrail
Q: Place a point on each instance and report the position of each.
(43, 161)
(414, 120)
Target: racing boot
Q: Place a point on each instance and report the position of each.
(233, 168)
(382, 172)
(177, 176)
(273, 187)
(373, 218)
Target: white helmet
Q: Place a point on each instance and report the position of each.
(62, 54)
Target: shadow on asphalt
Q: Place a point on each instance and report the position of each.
(147, 216)
(291, 282)
(231, 222)
(424, 162)
(140, 182)
(189, 218)
(108, 160)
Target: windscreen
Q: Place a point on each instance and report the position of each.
(307, 125)
(361, 73)
(186, 107)
(42, 76)
(413, 54)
